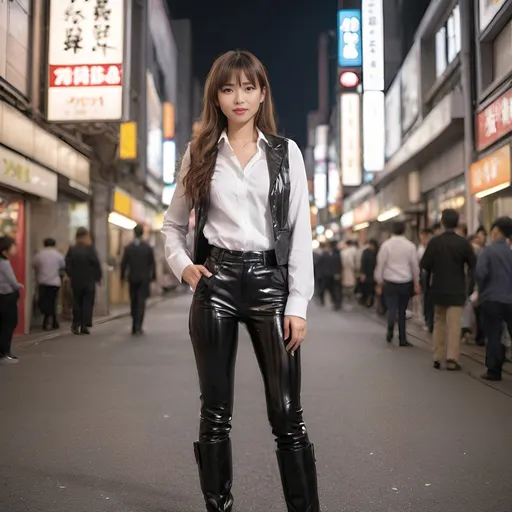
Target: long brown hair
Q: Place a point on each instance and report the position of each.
(213, 121)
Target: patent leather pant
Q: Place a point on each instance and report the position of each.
(248, 288)
(245, 288)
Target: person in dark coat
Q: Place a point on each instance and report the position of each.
(449, 259)
(138, 267)
(84, 270)
(494, 279)
(329, 275)
(367, 272)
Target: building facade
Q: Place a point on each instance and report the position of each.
(448, 123)
(71, 77)
(490, 174)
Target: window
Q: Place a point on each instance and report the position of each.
(448, 42)
(14, 43)
(502, 52)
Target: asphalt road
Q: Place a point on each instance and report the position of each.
(106, 424)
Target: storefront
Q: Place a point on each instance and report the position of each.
(364, 219)
(490, 179)
(22, 183)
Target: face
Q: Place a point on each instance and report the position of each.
(240, 102)
(13, 250)
(481, 238)
(495, 235)
(425, 238)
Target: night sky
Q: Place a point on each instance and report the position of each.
(282, 33)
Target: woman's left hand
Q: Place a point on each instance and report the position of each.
(295, 329)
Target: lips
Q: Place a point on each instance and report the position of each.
(240, 111)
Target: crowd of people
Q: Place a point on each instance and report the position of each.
(461, 283)
(83, 268)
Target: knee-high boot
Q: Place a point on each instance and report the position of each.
(215, 474)
(298, 476)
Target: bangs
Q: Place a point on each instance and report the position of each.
(236, 66)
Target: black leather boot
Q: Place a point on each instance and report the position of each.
(215, 474)
(298, 476)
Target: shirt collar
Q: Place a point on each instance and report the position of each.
(261, 137)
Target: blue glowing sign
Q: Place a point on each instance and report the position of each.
(350, 52)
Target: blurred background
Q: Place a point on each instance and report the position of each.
(401, 109)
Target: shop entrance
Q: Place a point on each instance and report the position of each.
(12, 223)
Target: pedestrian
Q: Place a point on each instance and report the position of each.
(139, 268)
(84, 270)
(367, 273)
(427, 306)
(350, 266)
(329, 268)
(398, 278)
(447, 258)
(494, 279)
(49, 265)
(9, 295)
(253, 264)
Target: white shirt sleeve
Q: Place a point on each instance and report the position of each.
(175, 225)
(415, 264)
(301, 281)
(381, 263)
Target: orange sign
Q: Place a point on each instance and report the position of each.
(168, 120)
(366, 212)
(491, 171)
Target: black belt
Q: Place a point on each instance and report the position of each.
(265, 257)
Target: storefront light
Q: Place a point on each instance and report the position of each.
(121, 221)
(315, 244)
(492, 190)
(363, 225)
(329, 233)
(389, 214)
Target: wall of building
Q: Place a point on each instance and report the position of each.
(182, 32)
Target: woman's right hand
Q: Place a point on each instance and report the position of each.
(193, 273)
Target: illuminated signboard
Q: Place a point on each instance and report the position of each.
(349, 38)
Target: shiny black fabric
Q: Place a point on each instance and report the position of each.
(253, 291)
(279, 202)
(249, 288)
(215, 474)
(298, 476)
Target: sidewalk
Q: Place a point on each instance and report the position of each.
(472, 351)
(39, 336)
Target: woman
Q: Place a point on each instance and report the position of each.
(253, 235)
(9, 294)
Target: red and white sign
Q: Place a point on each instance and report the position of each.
(85, 60)
(495, 121)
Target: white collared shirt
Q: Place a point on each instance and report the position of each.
(239, 217)
(397, 261)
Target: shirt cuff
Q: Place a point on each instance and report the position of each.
(296, 306)
(178, 264)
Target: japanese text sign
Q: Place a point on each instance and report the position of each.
(349, 38)
(495, 121)
(490, 172)
(373, 45)
(85, 60)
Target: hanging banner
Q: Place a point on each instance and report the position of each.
(373, 45)
(85, 60)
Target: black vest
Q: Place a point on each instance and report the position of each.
(279, 201)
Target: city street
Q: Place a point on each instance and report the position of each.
(106, 424)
